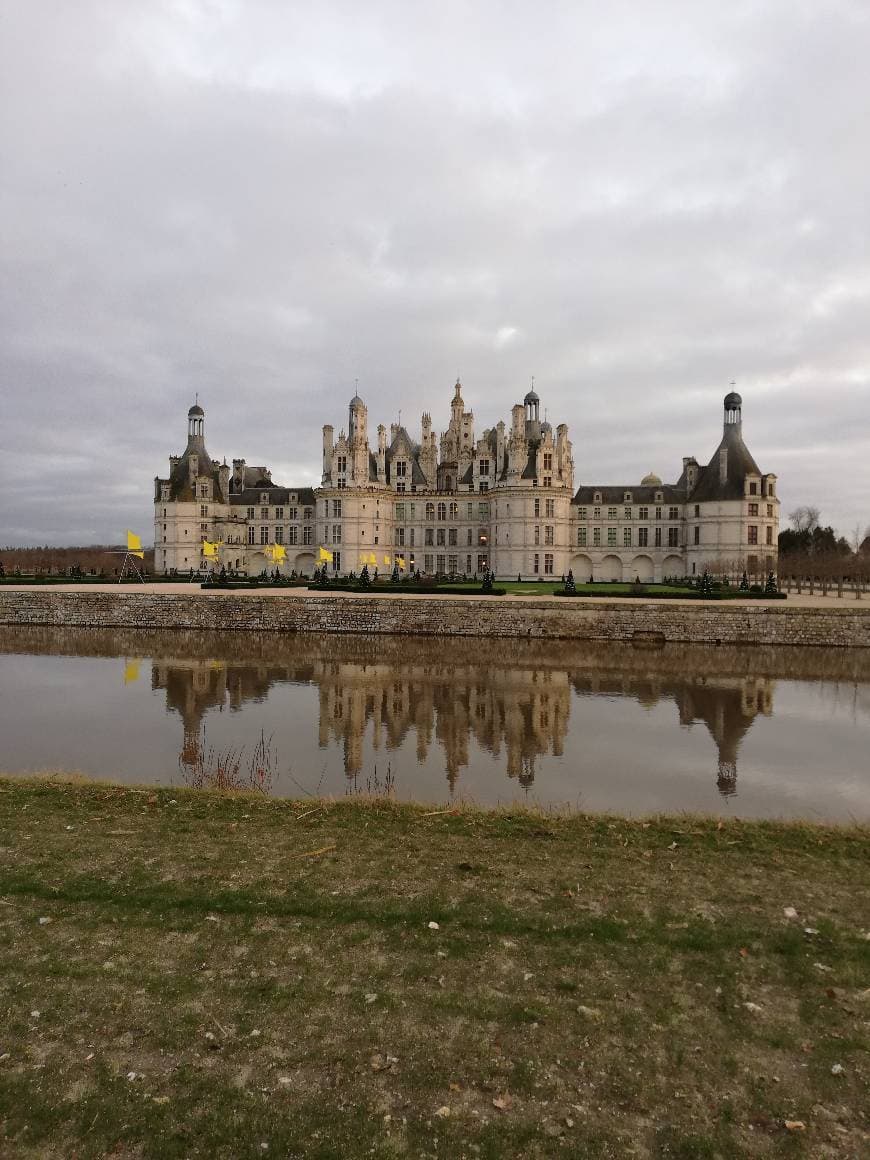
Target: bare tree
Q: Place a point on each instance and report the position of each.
(804, 519)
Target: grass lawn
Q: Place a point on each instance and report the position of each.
(192, 975)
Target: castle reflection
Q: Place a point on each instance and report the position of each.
(456, 697)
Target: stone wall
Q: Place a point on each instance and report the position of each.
(719, 623)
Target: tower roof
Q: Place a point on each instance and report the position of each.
(732, 400)
(356, 401)
(195, 410)
(532, 397)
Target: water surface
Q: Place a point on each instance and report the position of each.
(757, 732)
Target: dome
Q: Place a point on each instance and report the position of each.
(546, 428)
(531, 397)
(732, 401)
(356, 401)
(195, 411)
(651, 480)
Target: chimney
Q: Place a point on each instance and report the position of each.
(394, 431)
(723, 465)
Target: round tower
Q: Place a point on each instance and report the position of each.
(733, 410)
(195, 422)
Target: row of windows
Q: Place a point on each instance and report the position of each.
(408, 511)
(437, 537)
(280, 535)
(627, 513)
(584, 541)
(291, 513)
(449, 565)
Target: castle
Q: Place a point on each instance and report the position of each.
(505, 502)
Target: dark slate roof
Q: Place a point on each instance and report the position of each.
(531, 469)
(411, 450)
(669, 492)
(468, 475)
(179, 478)
(740, 464)
(250, 497)
(195, 410)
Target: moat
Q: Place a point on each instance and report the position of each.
(758, 732)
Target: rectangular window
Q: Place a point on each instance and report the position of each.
(250, 535)
(581, 537)
(279, 514)
(697, 533)
(483, 511)
(548, 563)
(440, 538)
(467, 563)
(250, 513)
(536, 566)
(673, 513)
(441, 565)
(264, 513)
(279, 534)
(581, 513)
(627, 513)
(400, 512)
(753, 488)
(401, 468)
(442, 511)
(203, 491)
(626, 537)
(769, 511)
(753, 533)
(548, 534)
(611, 513)
(770, 489)
(673, 537)
(411, 540)
(697, 511)
(658, 513)
(451, 537)
(548, 461)
(483, 467)
(658, 537)
(342, 464)
(203, 510)
(452, 565)
(336, 561)
(470, 536)
(203, 528)
(430, 511)
(400, 486)
(400, 537)
(429, 537)
(336, 533)
(537, 534)
(264, 535)
(642, 537)
(454, 511)
(336, 509)
(550, 505)
(596, 513)
(481, 563)
(753, 509)
(596, 537)
(293, 536)
(611, 537)
(427, 563)
(768, 533)
(307, 535)
(484, 486)
(643, 513)
(537, 509)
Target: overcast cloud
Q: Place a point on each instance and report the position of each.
(262, 202)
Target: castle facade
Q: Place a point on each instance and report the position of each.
(458, 504)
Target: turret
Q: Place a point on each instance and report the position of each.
(358, 441)
(382, 454)
(733, 412)
(533, 421)
(327, 452)
(195, 423)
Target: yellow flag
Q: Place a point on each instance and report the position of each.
(400, 560)
(373, 559)
(387, 561)
(278, 553)
(325, 555)
(134, 545)
(209, 549)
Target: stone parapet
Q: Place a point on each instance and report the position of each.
(635, 620)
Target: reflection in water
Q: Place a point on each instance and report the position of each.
(613, 723)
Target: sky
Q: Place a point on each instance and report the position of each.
(261, 203)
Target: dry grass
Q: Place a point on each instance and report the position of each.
(224, 972)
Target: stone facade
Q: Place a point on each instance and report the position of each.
(504, 502)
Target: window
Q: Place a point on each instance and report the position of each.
(427, 563)
(673, 537)
(483, 467)
(454, 511)
(753, 488)
(550, 505)
(548, 534)
(452, 565)
(250, 535)
(203, 528)
(440, 538)
(642, 537)
(430, 511)
(481, 536)
(611, 513)
(769, 511)
(203, 491)
(483, 511)
(548, 563)
(611, 537)
(753, 533)
(597, 497)
(770, 489)
(626, 537)
(203, 510)
(481, 563)
(643, 513)
(484, 486)
(451, 537)
(411, 539)
(627, 513)
(400, 486)
(673, 513)
(440, 564)
(306, 535)
(279, 534)
(658, 537)
(697, 534)
(536, 565)
(305, 515)
(753, 509)
(627, 497)
(292, 536)
(336, 509)
(548, 461)
(768, 535)
(400, 537)
(697, 511)
(470, 510)
(596, 513)
(401, 468)
(250, 513)
(400, 512)
(581, 513)
(442, 511)
(164, 493)
(537, 509)
(342, 464)
(470, 536)
(658, 513)
(336, 561)
(429, 537)
(537, 534)
(264, 513)
(336, 533)
(264, 535)
(467, 563)
(596, 537)
(581, 537)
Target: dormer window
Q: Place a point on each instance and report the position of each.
(341, 464)
(483, 467)
(597, 497)
(659, 497)
(753, 488)
(264, 497)
(401, 468)
(627, 497)
(164, 492)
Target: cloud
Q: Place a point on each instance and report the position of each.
(264, 202)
